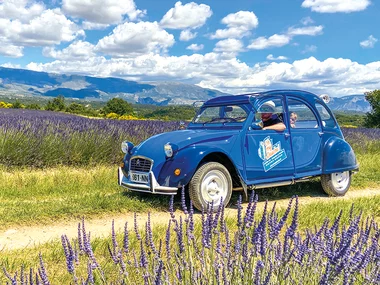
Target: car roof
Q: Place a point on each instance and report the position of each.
(246, 98)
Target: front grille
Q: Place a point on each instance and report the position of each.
(140, 164)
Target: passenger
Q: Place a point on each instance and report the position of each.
(293, 119)
(271, 121)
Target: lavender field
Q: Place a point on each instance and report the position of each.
(44, 138)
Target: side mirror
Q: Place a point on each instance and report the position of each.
(182, 125)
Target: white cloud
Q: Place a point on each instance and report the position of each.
(369, 43)
(190, 15)
(10, 65)
(306, 31)
(307, 21)
(229, 45)
(309, 48)
(239, 25)
(277, 40)
(335, 76)
(21, 10)
(102, 11)
(195, 47)
(93, 26)
(9, 50)
(131, 39)
(78, 50)
(271, 57)
(334, 6)
(51, 27)
(187, 35)
(332, 76)
(273, 41)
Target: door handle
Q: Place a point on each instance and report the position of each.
(287, 135)
(320, 133)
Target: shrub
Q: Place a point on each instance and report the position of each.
(113, 116)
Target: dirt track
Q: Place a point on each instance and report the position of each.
(22, 237)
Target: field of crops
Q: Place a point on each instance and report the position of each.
(256, 247)
(43, 138)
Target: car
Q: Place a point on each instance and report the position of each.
(229, 146)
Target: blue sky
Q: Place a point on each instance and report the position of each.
(323, 46)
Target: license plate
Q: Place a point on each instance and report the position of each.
(139, 177)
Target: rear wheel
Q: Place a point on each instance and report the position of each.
(211, 183)
(337, 183)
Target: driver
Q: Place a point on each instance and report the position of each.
(271, 121)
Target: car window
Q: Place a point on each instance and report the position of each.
(273, 106)
(301, 116)
(326, 117)
(222, 114)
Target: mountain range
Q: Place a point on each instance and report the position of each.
(27, 83)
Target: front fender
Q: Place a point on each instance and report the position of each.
(338, 156)
(187, 160)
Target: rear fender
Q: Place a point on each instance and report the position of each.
(338, 156)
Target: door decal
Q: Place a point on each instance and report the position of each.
(270, 153)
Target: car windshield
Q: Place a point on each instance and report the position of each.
(222, 114)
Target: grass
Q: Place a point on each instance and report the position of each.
(35, 196)
(45, 196)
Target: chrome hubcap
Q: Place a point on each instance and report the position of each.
(340, 180)
(214, 187)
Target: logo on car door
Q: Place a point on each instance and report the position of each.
(271, 154)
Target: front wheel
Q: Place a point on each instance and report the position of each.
(336, 184)
(211, 183)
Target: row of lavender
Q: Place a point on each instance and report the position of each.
(43, 138)
(264, 249)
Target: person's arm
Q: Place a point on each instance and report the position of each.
(277, 127)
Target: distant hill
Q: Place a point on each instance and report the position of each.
(354, 103)
(27, 83)
(32, 83)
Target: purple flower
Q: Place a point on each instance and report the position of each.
(69, 254)
(276, 228)
(293, 226)
(157, 280)
(42, 272)
(183, 200)
(138, 236)
(143, 258)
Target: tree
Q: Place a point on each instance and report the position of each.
(372, 119)
(118, 106)
(76, 108)
(58, 104)
(17, 105)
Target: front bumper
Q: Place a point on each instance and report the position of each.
(153, 186)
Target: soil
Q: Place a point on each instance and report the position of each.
(30, 236)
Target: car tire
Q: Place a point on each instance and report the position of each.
(210, 183)
(337, 183)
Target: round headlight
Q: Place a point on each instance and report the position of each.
(126, 146)
(168, 150)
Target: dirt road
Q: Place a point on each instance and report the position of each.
(22, 237)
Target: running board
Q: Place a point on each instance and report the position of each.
(274, 184)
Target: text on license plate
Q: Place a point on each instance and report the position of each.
(139, 177)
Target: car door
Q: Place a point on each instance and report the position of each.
(267, 153)
(306, 137)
